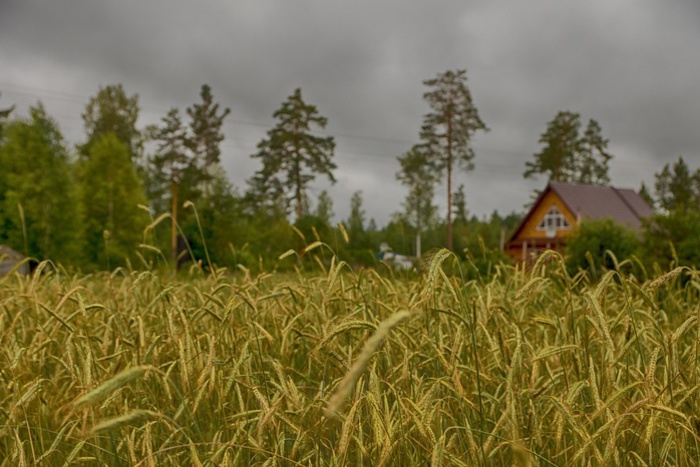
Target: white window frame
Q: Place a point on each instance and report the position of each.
(553, 220)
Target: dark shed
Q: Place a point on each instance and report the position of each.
(10, 259)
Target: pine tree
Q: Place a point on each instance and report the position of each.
(205, 137)
(568, 155)
(671, 235)
(677, 189)
(356, 220)
(593, 157)
(186, 163)
(447, 131)
(646, 194)
(291, 150)
(266, 197)
(169, 168)
(324, 208)
(459, 201)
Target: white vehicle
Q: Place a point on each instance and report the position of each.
(402, 262)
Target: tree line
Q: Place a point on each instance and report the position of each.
(130, 195)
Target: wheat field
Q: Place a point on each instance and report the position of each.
(331, 366)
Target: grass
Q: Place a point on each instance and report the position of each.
(338, 367)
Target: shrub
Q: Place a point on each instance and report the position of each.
(587, 248)
(672, 239)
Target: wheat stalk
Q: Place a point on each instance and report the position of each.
(371, 345)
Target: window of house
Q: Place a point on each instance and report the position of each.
(553, 220)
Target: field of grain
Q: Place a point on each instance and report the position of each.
(331, 366)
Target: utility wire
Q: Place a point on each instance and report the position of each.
(384, 157)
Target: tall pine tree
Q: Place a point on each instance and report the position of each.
(169, 168)
(568, 155)
(448, 129)
(292, 154)
(205, 135)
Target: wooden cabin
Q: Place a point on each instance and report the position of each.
(561, 206)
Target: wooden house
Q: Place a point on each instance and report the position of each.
(561, 206)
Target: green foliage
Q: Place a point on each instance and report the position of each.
(172, 177)
(171, 164)
(324, 208)
(478, 243)
(38, 200)
(356, 220)
(266, 197)
(589, 245)
(363, 243)
(459, 205)
(292, 150)
(185, 167)
(220, 212)
(678, 189)
(400, 235)
(672, 239)
(568, 155)
(646, 195)
(418, 176)
(4, 115)
(205, 135)
(671, 236)
(111, 192)
(112, 111)
(448, 129)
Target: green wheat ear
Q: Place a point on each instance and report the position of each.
(348, 382)
(130, 418)
(109, 386)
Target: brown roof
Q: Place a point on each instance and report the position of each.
(596, 202)
(623, 205)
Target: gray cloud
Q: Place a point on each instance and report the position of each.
(631, 65)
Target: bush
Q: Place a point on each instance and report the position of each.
(587, 247)
(672, 239)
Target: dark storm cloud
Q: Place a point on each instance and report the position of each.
(631, 65)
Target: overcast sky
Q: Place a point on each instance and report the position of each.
(632, 65)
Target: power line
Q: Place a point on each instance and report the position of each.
(384, 157)
(37, 92)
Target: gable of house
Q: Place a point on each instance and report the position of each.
(561, 206)
(538, 223)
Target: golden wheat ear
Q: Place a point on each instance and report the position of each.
(111, 385)
(371, 345)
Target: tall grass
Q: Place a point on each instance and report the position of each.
(343, 367)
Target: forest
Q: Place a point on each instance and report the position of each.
(157, 196)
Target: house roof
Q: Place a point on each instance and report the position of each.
(623, 205)
(596, 202)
